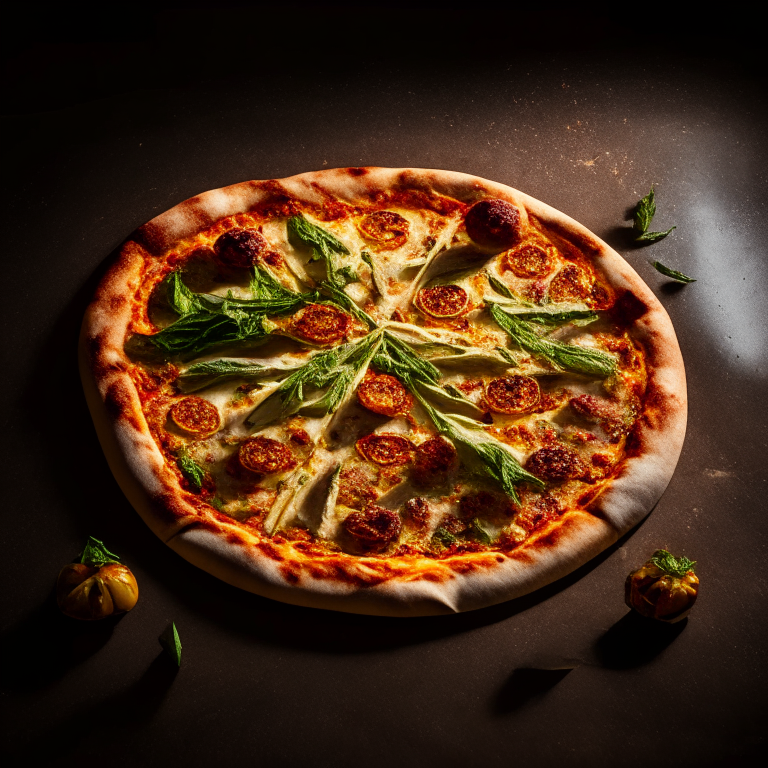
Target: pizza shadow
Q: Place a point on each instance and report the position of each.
(524, 687)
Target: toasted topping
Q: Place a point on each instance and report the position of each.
(442, 301)
(374, 527)
(265, 455)
(385, 449)
(384, 394)
(512, 394)
(570, 284)
(240, 247)
(434, 459)
(538, 512)
(356, 488)
(555, 463)
(482, 504)
(321, 324)
(196, 416)
(386, 229)
(528, 261)
(493, 223)
(417, 512)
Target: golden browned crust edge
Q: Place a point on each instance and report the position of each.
(230, 555)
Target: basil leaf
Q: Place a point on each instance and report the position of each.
(675, 275)
(171, 643)
(674, 566)
(96, 554)
(645, 210)
(193, 472)
(652, 237)
(182, 300)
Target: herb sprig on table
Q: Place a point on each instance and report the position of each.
(645, 210)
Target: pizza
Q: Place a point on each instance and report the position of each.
(386, 391)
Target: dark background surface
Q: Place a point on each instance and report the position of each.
(112, 119)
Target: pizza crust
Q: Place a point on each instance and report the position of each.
(394, 586)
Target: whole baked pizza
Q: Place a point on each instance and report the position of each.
(386, 391)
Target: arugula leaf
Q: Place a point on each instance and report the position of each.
(182, 300)
(508, 356)
(674, 566)
(212, 372)
(567, 357)
(264, 285)
(341, 298)
(171, 643)
(335, 369)
(500, 287)
(652, 237)
(96, 554)
(645, 210)
(323, 244)
(444, 536)
(193, 472)
(674, 274)
(397, 358)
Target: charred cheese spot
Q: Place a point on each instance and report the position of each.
(321, 324)
(555, 463)
(442, 301)
(493, 223)
(528, 261)
(512, 394)
(356, 488)
(240, 248)
(374, 527)
(385, 230)
(196, 416)
(537, 511)
(385, 449)
(570, 284)
(384, 394)
(417, 513)
(265, 455)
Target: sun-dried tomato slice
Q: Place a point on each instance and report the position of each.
(374, 527)
(434, 460)
(512, 394)
(493, 223)
(385, 229)
(528, 261)
(385, 449)
(384, 394)
(442, 301)
(321, 324)
(570, 284)
(195, 415)
(555, 463)
(265, 455)
(240, 247)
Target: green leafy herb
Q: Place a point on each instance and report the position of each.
(341, 298)
(479, 532)
(324, 246)
(565, 357)
(335, 370)
(182, 300)
(674, 274)
(652, 237)
(366, 257)
(500, 287)
(508, 356)
(212, 372)
(171, 643)
(674, 566)
(645, 210)
(444, 537)
(192, 471)
(397, 358)
(96, 554)
(216, 503)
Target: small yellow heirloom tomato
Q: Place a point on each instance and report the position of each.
(665, 588)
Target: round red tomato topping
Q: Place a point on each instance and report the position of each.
(265, 455)
(442, 300)
(321, 324)
(374, 526)
(434, 459)
(384, 394)
(386, 229)
(528, 261)
(240, 247)
(195, 415)
(570, 284)
(493, 223)
(512, 394)
(385, 449)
